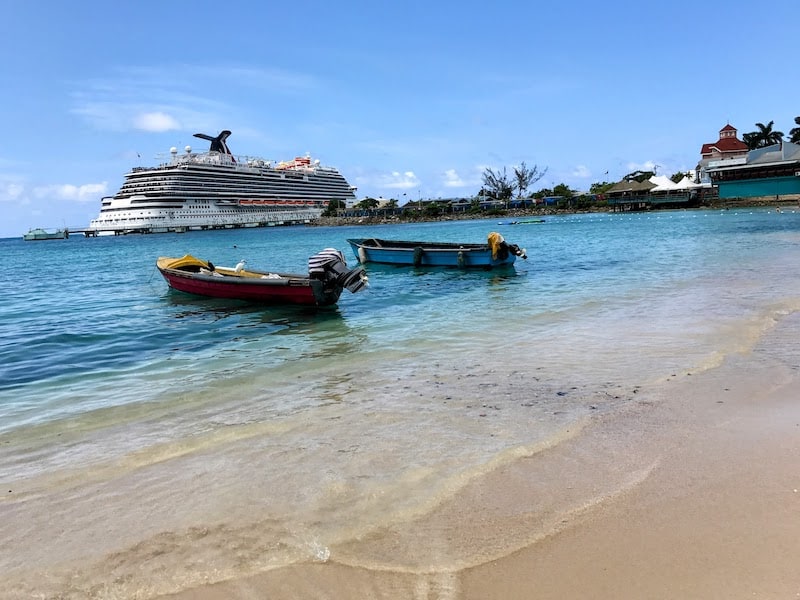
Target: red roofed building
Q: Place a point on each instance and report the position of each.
(727, 147)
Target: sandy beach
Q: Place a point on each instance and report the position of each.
(694, 492)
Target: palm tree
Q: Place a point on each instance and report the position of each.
(770, 137)
(795, 132)
(765, 136)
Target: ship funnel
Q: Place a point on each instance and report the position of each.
(218, 144)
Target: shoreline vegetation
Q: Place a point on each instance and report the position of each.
(409, 214)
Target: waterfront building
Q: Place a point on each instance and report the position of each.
(713, 154)
(763, 172)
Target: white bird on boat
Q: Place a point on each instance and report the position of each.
(239, 266)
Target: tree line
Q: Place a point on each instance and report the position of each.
(503, 186)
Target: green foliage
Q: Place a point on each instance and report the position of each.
(411, 213)
(676, 177)
(639, 176)
(584, 202)
(332, 208)
(764, 136)
(367, 204)
(600, 187)
(432, 210)
(795, 132)
(563, 190)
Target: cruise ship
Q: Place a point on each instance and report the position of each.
(216, 190)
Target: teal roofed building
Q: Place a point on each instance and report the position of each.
(771, 171)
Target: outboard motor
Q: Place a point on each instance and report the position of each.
(517, 251)
(330, 267)
(501, 248)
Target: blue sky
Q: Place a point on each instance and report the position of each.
(407, 99)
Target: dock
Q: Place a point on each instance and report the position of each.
(93, 232)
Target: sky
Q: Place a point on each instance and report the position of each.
(407, 99)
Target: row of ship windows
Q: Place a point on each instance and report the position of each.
(201, 174)
(191, 216)
(174, 182)
(240, 178)
(260, 208)
(244, 191)
(151, 219)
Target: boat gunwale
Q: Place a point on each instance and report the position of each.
(410, 246)
(236, 280)
(227, 275)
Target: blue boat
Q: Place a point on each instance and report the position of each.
(494, 253)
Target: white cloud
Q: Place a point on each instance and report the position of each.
(11, 192)
(113, 116)
(452, 179)
(157, 100)
(155, 121)
(648, 165)
(397, 180)
(89, 192)
(581, 172)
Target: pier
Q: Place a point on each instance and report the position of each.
(93, 232)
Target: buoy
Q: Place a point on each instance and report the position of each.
(460, 259)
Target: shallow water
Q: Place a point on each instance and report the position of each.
(208, 439)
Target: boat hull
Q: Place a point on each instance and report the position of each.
(428, 254)
(250, 286)
(35, 235)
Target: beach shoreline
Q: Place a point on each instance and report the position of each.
(708, 507)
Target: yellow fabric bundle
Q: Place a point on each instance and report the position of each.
(495, 241)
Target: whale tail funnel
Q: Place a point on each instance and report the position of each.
(219, 143)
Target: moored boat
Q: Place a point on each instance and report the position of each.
(526, 222)
(43, 234)
(327, 276)
(494, 253)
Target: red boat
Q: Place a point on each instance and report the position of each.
(327, 277)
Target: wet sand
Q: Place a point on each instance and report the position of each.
(692, 492)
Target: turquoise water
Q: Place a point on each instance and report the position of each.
(315, 427)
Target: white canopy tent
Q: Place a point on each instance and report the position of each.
(687, 184)
(663, 184)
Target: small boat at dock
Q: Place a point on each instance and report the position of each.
(494, 253)
(44, 234)
(327, 276)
